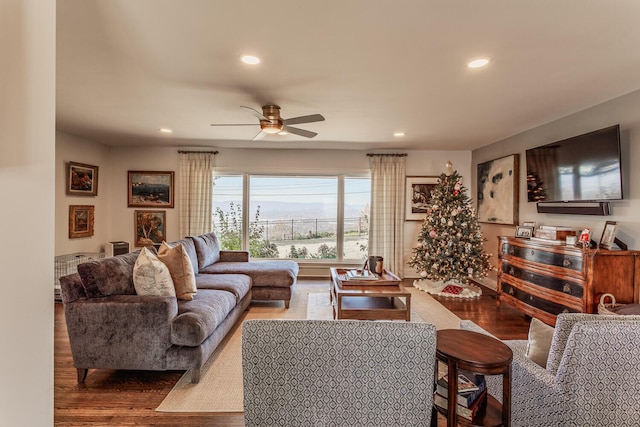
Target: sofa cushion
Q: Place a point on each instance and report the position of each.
(540, 336)
(207, 249)
(151, 276)
(274, 273)
(197, 319)
(237, 284)
(109, 276)
(190, 248)
(176, 259)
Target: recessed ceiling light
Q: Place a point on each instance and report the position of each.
(398, 134)
(250, 59)
(283, 132)
(478, 63)
(165, 130)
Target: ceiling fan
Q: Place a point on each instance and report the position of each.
(271, 122)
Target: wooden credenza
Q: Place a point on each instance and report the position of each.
(543, 280)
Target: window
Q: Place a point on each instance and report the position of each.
(227, 211)
(295, 217)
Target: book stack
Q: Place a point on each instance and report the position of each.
(555, 234)
(472, 393)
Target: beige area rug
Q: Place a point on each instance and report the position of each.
(220, 386)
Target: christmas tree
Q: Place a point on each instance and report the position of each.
(450, 241)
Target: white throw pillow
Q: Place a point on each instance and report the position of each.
(151, 276)
(540, 337)
(177, 260)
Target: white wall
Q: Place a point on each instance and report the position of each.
(114, 220)
(624, 110)
(27, 120)
(74, 149)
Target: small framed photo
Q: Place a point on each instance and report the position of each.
(524, 232)
(418, 196)
(150, 227)
(151, 189)
(81, 221)
(608, 235)
(82, 179)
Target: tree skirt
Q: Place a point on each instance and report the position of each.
(448, 289)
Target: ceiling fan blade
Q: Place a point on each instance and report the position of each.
(260, 135)
(304, 119)
(298, 131)
(256, 113)
(232, 124)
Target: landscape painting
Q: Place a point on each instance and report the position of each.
(150, 227)
(150, 189)
(82, 179)
(498, 191)
(81, 218)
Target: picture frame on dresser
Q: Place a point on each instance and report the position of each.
(524, 232)
(608, 235)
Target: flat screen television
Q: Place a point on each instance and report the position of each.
(584, 168)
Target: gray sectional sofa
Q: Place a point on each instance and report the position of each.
(111, 327)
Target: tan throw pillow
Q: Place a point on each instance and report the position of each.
(181, 269)
(540, 336)
(151, 276)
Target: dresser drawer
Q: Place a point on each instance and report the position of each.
(570, 262)
(536, 301)
(558, 284)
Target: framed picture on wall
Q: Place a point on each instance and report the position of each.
(418, 196)
(150, 189)
(82, 179)
(150, 227)
(81, 219)
(497, 184)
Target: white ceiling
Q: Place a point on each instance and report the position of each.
(126, 68)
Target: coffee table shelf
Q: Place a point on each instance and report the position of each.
(364, 301)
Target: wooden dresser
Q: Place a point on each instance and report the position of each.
(543, 280)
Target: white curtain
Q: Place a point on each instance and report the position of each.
(386, 228)
(196, 192)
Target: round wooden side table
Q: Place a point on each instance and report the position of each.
(480, 354)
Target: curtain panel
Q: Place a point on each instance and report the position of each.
(196, 193)
(386, 228)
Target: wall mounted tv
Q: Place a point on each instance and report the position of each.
(584, 168)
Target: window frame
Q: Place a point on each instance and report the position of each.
(246, 192)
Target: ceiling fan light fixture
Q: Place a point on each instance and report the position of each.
(270, 127)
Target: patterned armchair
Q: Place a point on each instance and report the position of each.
(591, 378)
(328, 373)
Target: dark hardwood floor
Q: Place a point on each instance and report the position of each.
(128, 398)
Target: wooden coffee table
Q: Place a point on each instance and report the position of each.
(383, 299)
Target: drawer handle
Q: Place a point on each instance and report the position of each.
(566, 263)
(566, 288)
(511, 271)
(533, 252)
(510, 291)
(531, 298)
(512, 251)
